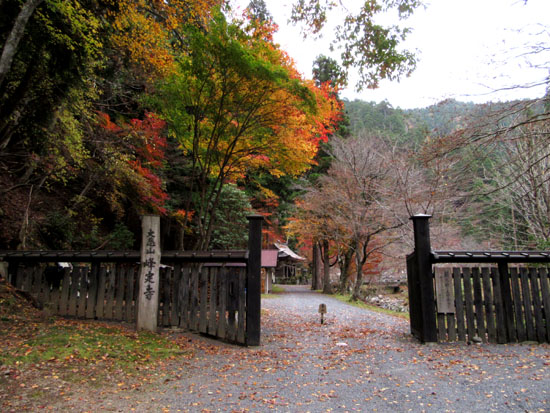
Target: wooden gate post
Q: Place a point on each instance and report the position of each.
(253, 281)
(148, 298)
(422, 247)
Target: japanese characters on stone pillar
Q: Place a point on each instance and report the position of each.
(149, 273)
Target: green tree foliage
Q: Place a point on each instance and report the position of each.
(231, 225)
(371, 48)
(258, 11)
(326, 69)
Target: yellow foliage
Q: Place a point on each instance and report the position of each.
(147, 31)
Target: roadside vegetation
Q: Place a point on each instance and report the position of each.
(348, 298)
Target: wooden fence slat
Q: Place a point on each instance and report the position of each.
(75, 278)
(55, 297)
(110, 292)
(441, 329)
(189, 301)
(119, 297)
(136, 291)
(20, 277)
(241, 328)
(516, 292)
(499, 307)
(32, 281)
(82, 292)
(194, 304)
(129, 295)
(170, 287)
(545, 289)
(506, 291)
(27, 284)
(459, 304)
(231, 306)
(489, 309)
(213, 302)
(163, 306)
(537, 305)
(478, 303)
(451, 327)
(166, 308)
(36, 282)
(446, 313)
(92, 292)
(203, 293)
(44, 294)
(469, 303)
(65, 287)
(174, 313)
(222, 304)
(101, 285)
(23, 276)
(527, 309)
(183, 297)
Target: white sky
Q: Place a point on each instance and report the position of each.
(466, 49)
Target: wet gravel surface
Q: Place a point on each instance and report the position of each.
(358, 360)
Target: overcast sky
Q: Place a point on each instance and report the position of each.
(466, 49)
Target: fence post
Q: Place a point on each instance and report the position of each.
(253, 281)
(422, 249)
(148, 299)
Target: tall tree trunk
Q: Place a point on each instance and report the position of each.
(316, 268)
(345, 262)
(358, 281)
(326, 266)
(361, 256)
(15, 36)
(25, 223)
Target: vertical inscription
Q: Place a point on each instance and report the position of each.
(149, 274)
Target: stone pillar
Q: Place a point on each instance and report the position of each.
(148, 297)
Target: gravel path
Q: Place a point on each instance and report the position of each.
(358, 360)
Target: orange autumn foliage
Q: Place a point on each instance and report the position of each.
(147, 32)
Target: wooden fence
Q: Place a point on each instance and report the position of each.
(214, 293)
(205, 298)
(494, 298)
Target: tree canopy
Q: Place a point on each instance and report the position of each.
(143, 106)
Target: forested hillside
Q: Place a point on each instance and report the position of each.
(481, 171)
(489, 149)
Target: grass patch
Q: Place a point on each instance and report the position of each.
(275, 289)
(90, 343)
(346, 298)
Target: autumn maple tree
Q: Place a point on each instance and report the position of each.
(238, 104)
(356, 205)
